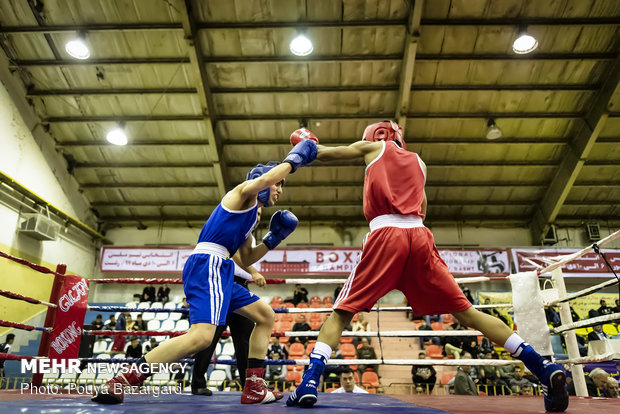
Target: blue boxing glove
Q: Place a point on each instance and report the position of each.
(282, 223)
(302, 154)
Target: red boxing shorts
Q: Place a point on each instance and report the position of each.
(405, 259)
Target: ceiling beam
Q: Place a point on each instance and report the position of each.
(598, 56)
(313, 89)
(87, 165)
(313, 203)
(190, 29)
(408, 64)
(576, 154)
(312, 184)
(124, 118)
(161, 26)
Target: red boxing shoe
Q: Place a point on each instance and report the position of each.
(255, 390)
(113, 391)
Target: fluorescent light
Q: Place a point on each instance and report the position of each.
(117, 137)
(525, 43)
(493, 131)
(301, 46)
(77, 48)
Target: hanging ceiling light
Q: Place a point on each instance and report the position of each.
(77, 47)
(493, 131)
(524, 43)
(301, 45)
(117, 136)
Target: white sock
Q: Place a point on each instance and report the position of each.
(512, 343)
(321, 349)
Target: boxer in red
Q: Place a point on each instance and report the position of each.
(400, 253)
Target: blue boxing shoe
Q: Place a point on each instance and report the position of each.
(551, 376)
(306, 394)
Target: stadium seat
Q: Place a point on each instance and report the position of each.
(327, 301)
(286, 326)
(370, 378)
(182, 325)
(143, 305)
(293, 376)
(153, 325)
(132, 304)
(610, 330)
(347, 350)
(167, 325)
(558, 349)
(445, 378)
(147, 316)
(437, 326)
(346, 340)
(100, 347)
(286, 317)
(296, 350)
(228, 349)
(310, 347)
(224, 367)
(315, 325)
(448, 319)
(302, 305)
(434, 351)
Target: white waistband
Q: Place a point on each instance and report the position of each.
(396, 220)
(211, 248)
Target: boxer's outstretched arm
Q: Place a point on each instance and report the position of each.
(358, 149)
(250, 255)
(244, 195)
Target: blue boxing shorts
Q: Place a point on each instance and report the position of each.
(210, 290)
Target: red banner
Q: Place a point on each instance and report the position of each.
(67, 332)
(588, 265)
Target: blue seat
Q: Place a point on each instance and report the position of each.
(558, 349)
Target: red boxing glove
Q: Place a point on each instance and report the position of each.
(300, 134)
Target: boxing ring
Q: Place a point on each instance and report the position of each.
(64, 401)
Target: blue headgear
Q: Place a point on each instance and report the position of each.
(257, 171)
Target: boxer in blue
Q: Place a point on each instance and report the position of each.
(208, 278)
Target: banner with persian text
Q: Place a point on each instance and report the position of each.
(588, 265)
(296, 261)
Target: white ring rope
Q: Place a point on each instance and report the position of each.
(586, 291)
(459, 280)
(587, 359)
(394, 334)
(587, 322)
(573, 256)
(387, 308)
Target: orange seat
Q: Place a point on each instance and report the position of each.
(371, 390)
(316, 305)
(370, 378)
(315, 299)
(346, 340)
(316, 316)
(296, 350)
(310, 347)
(331, 389)
(287, 305)
(286, 317)
(434, 351)
(284, 340)
(299, 368)
(293, 376)
(437, 326)
(315, 325)
(327, 300)
(285, 325)
(302, 305)
(276, 317)
(276, 300)
(347, 350)
(445, 378)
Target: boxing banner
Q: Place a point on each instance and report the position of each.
(588, 265)
(338, 261)
(67, 331)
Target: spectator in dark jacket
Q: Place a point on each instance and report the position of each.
(597, 334)
(463, 384)
(301, 326)
(604, 309)
(424, 375)
(148, 294)
(163, 294)
(134, 349)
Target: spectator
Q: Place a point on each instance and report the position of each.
(468, 295)
(617, 308)
(300, 295)
(597, 334)
(424, 376)
(361, 325)
(5, 348)
(424, 327)
(365, 351)
(347, 382)
(574, 315)
(517, 382)
(488, 376)
(277, 347)
(494, 312)
(604, 309)
(130, 324)
(185, 315)
(301, 326)
(148, 294)
(163, 293)
(593, 313)
(610, 389)
(139, 325)
(596, 377)
(134, 350)
(151, 345)
(111, 325)
(97, 324)
(275, 372)
(506, 372)
(552, 315)
(337, 291)
(486, 346)
(452, 345)
(463, 384)
(332, 372)
(527, 390)
(470, 345)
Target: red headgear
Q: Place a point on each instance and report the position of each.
(384, 131)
